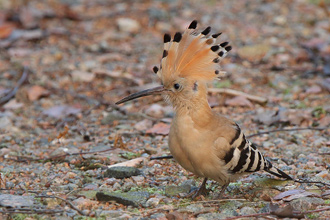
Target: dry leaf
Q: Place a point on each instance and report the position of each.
(288, 193)
(130, 163)
(36, 92)
(5, 30)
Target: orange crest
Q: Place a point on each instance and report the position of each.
(192, 55)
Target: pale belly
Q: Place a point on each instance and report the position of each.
(193, 150)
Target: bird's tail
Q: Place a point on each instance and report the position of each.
(276, 172)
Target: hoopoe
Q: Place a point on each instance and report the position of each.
(201, 141)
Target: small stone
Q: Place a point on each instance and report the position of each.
(176, 190)
(9, 185)
(138, 179)
(323, 174)
(280, 20)
(267, 144)
(110, 214)
(130, 198)
(306, 203)
(211, 216)
(5, 122)
(158, 216)
(128, 186)
(314, 89)
(116, 186)
(120, 172)
(143, 125)
(90, 187)
(155, 110)
(247, 210)
(82, 76)
(228, 213)
(319, 142)
(84, 203)
(128, 25)
(8, 200)
(152, 202)
(194, 208)
(231, 205)
(111, 181)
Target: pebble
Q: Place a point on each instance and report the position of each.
(231, 205)
(10, 185)
(247, 210)
(128, 25)
(86, 203)
(116, 186)
(5, 122)
(128, 186)
(110, 181)
(158, 216)
(138, 179)
(155, 110)
(121, 172)
(267, 144)
(127, 198)
(8, 200)
(143, 125)
(194, 208)
(212, 216)
(176, 190)
(90, 187)
(306, 203)
(152, 202)
(319, 142)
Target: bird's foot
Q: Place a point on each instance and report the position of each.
(201, 190)
(223, 189)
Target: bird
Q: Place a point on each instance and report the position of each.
(202, 141)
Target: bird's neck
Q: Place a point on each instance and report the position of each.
(197, 109)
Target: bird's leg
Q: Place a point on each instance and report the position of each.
(223, 189)
(201, 190)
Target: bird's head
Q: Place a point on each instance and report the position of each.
(189, 61)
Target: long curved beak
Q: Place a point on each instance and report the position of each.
(153, 91)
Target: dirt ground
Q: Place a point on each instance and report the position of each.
(63, 65)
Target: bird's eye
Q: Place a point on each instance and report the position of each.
(176, 86)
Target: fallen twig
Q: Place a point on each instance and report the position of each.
(64, 200)
(257, 99)
(71, 205)
(13, 92)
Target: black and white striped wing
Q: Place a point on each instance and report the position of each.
(245, 157)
